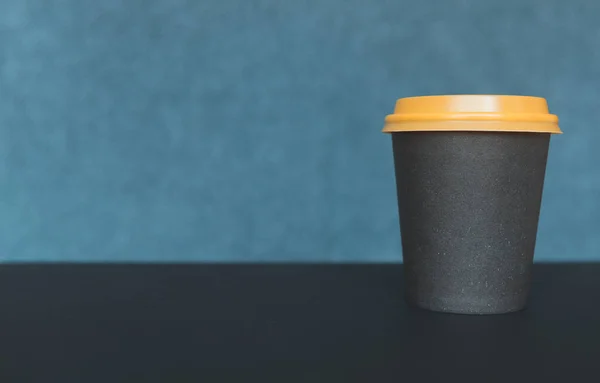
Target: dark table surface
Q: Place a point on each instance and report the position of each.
(282, 323)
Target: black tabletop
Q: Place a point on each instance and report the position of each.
(282, 323)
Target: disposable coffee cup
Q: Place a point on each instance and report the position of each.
(469, 173)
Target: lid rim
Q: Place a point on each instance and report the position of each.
(473, 116)
(472, 126)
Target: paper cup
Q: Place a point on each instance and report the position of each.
(469, 174)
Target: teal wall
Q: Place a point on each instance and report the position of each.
(173, 130)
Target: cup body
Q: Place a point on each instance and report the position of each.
(469, 204)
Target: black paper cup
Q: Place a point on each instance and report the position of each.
(469, 173)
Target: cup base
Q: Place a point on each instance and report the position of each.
(469, 307)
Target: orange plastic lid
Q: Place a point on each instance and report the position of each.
(486, 113)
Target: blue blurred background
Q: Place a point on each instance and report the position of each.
(221, 130)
